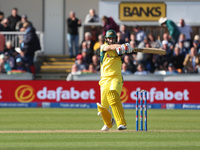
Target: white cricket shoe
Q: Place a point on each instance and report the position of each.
(99, 113)
(122, 127)
(105, 127)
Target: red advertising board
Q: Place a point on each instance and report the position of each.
(89, 91)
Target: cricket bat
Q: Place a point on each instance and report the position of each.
(150, 50)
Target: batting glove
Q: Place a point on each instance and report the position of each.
(129, 49)
(121, 50)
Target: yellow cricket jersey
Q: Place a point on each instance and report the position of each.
(110, 63)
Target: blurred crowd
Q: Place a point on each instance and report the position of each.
(182, 48)
(181, 44)
(19, 60)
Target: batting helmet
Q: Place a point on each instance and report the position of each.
(110, 33)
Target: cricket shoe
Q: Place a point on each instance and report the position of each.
(105, 127)
(122, 127)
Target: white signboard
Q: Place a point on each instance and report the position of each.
(174, 11)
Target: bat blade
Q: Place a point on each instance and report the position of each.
(150, 50)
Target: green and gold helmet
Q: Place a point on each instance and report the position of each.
(110, 33)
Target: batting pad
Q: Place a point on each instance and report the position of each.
(106, 115)
(117, 108)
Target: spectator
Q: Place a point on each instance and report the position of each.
(90, 44)
(162, 61)
(192, 61)
(1, 16)
(109, 23)
(185, 42)
(29, 45)
(141, 56)
(149, 62)
(72, 35)
(140, 34)
(172, 28)
(177, 59)
(141, 70)
(20, 23)
(9, 59)
(91, 17)
(98, 44)
(168, 49)
(90, 69)
(20, 66)
(1, 19)
(197, 38)
(153, 42)
(143, 43)
(134, 54)
(1, 26)
(25, 59)
(79, 62)
(185, 29)
(171, 70)
(7, 67)
(86, 58)
(125, 33)
(4, 65)
(2, 43)
(5, 25)
(133, 44)
(125, 70)
(10, 49)
(133, 38)
(148, 59)
(2, 70)
(130, 66)
(183, 50)
(144, 58)
(196, 43)
(94, 33)
(166, 37)
(74, 71)
(96, 63)
(119, 38)
(13, 19)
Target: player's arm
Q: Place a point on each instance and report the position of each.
(111, 47)
(120, 49)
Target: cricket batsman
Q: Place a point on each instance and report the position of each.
(111, 81)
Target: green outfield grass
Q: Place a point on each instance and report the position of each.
(53, 129)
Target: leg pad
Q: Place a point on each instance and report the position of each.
(117, 108)
(106, 115)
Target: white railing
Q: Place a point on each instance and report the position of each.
(15, 37)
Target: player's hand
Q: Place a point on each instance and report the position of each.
(128, 48)
(121, 50)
